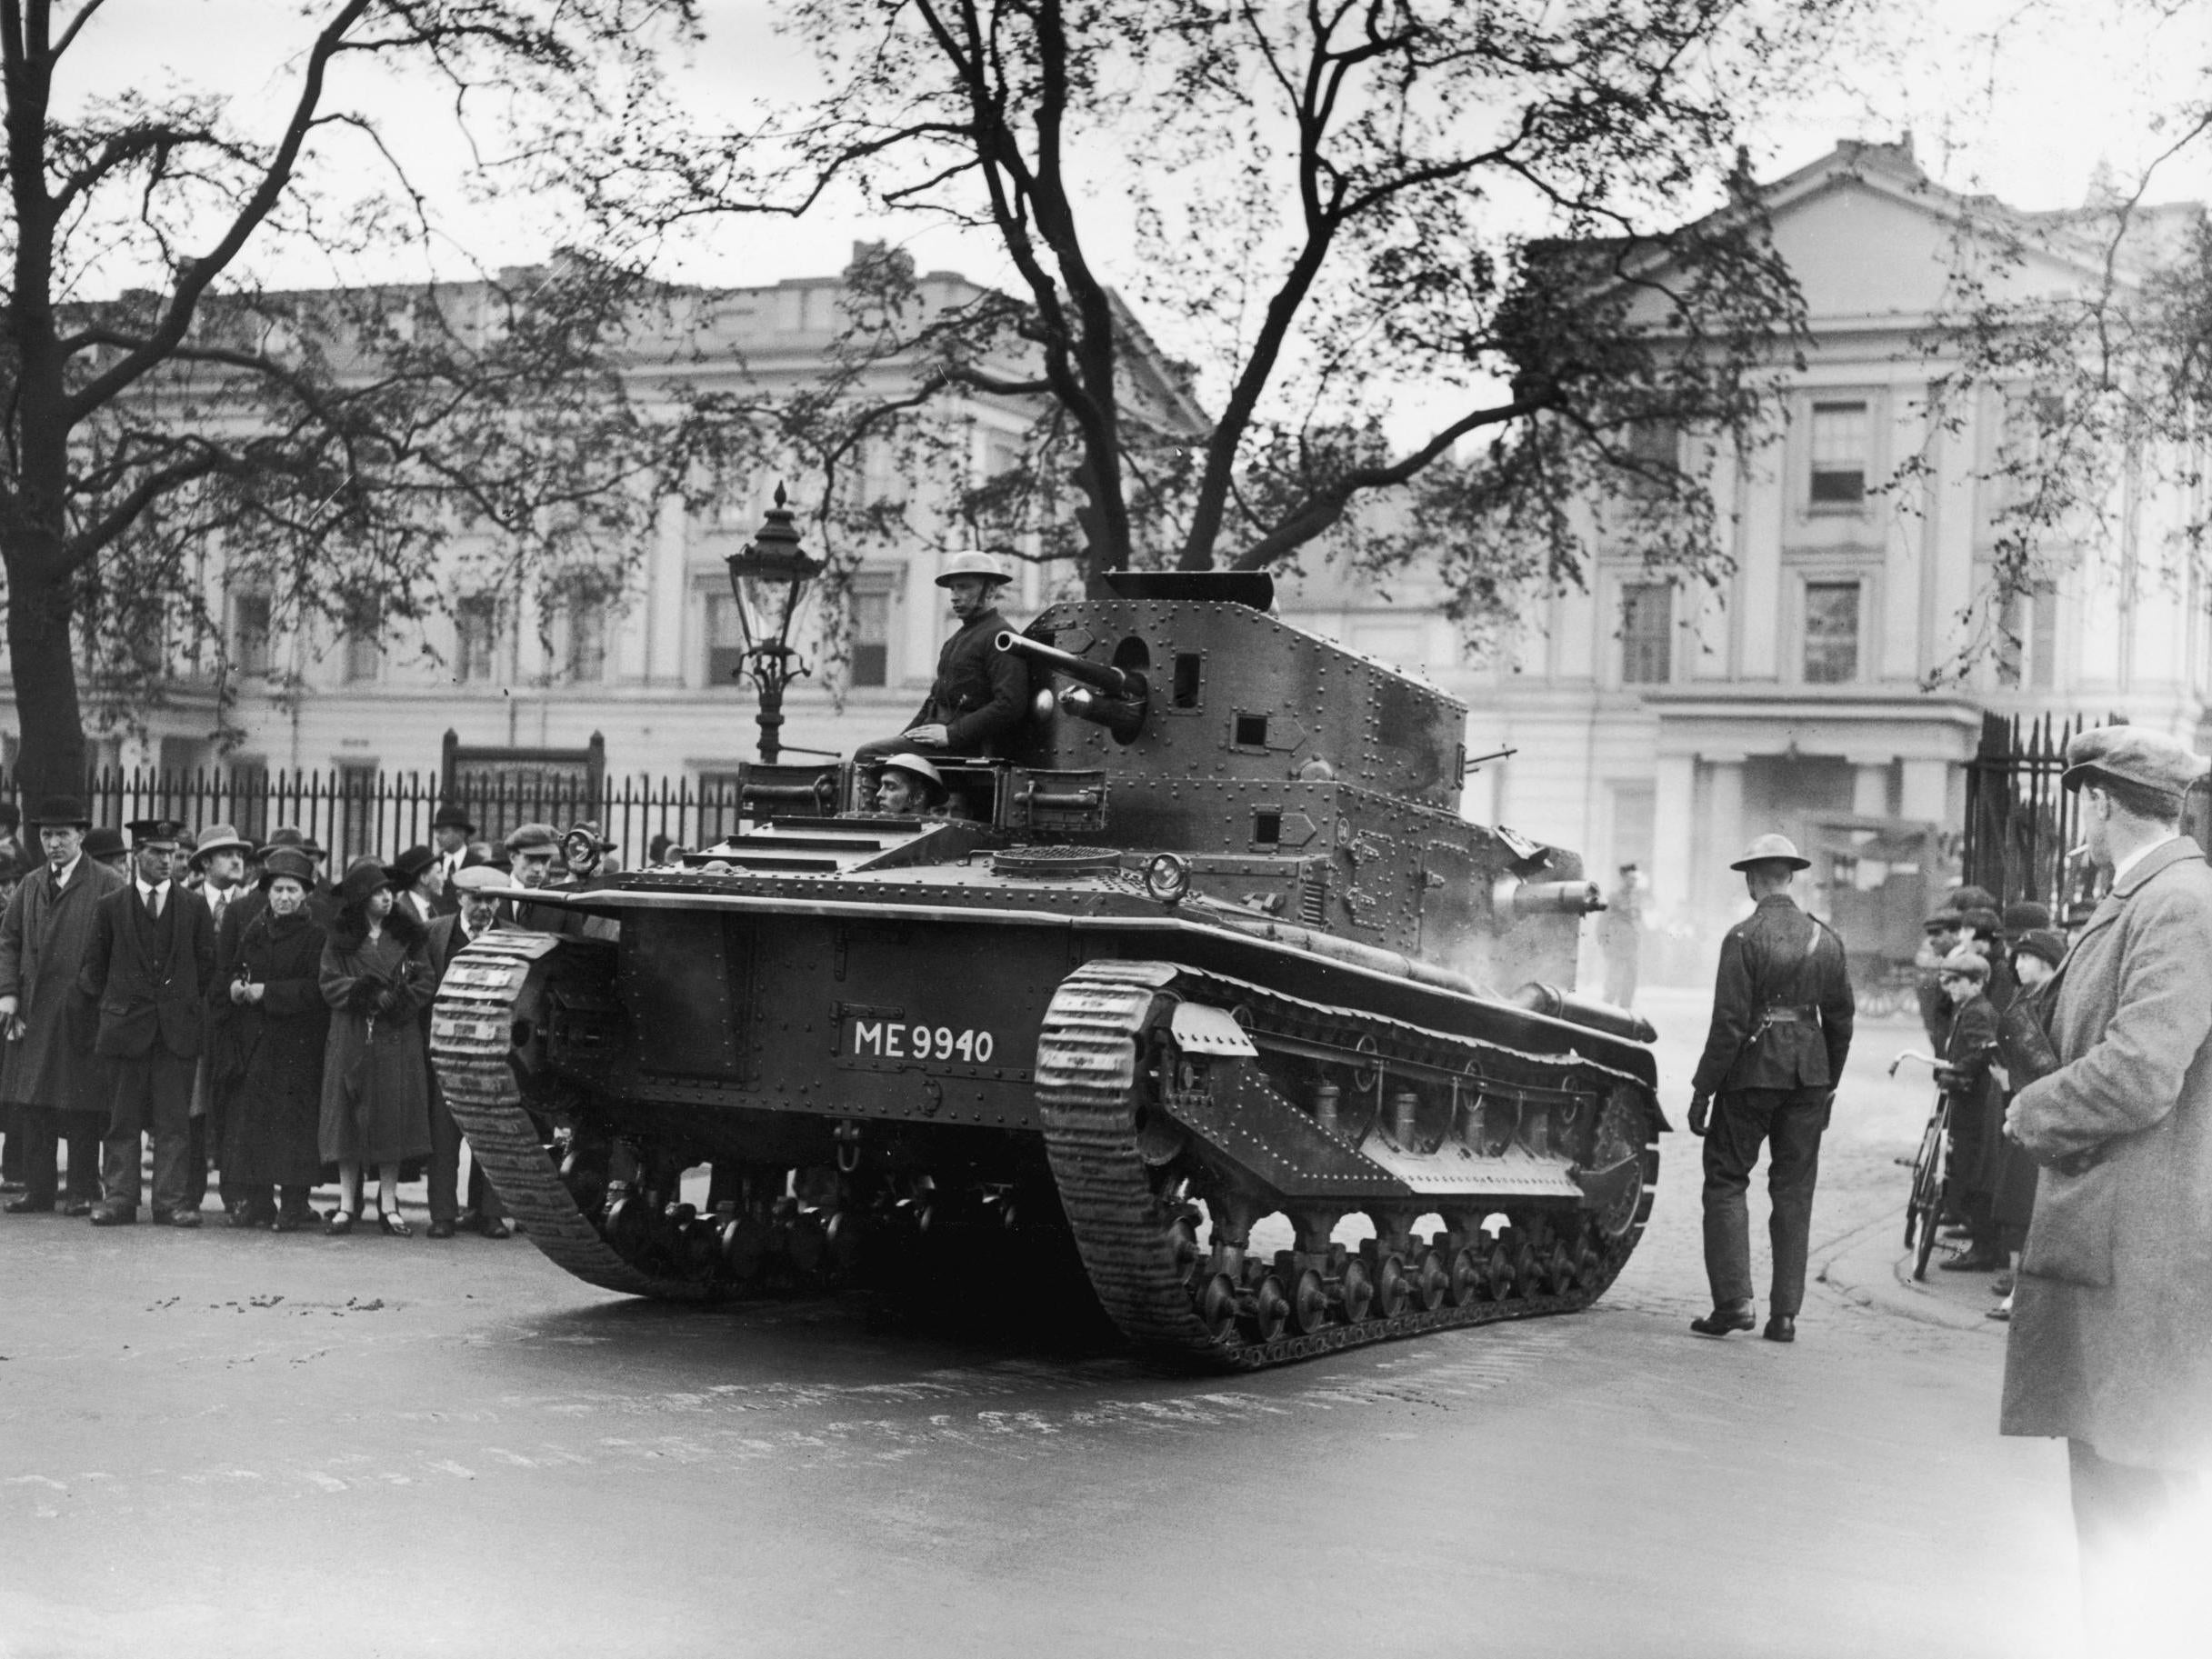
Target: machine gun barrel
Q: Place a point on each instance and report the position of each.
(1114, 682)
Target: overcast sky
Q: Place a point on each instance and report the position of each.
(2067, 87)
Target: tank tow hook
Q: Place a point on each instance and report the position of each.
(848, 1137)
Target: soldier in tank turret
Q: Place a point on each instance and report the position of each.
(910, 788)
(980, 694)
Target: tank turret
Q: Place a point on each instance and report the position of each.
(1203, 982)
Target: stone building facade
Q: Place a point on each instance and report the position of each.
(1666, 724)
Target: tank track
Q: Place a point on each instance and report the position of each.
(1088, 1103)
(471, 1039)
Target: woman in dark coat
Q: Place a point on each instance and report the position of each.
(273, 1024)
(376, 976)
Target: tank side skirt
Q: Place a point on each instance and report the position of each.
(1089, 1097)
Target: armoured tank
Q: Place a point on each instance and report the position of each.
(1203, 1000)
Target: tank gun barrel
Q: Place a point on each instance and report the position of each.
(1119, 682)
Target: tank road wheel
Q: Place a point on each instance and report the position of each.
(1428, 1282)
(1466, 1283)
(1499, 1272)
(1270, 1309)
(1308, 1304)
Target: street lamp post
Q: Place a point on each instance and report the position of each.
(768, 577)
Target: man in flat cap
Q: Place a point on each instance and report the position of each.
(49, 1069)
(149, 966)
(2110, 1343)
(1781, 1031)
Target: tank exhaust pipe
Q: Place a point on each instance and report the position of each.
(1114, 698)
(1555, 1004)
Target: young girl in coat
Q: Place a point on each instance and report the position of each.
(376, 977)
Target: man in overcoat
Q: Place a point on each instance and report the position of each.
(1781, 1030)
(148, 967)
(218, 858)
(981, 694)
(49, 1066)
(2110, 1343)
(478, 887)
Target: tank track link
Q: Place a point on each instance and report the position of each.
(471, 1038)
(1088, 1104)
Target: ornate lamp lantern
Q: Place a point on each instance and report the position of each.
(768, 578)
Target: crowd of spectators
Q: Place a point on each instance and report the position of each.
(1975, 961)
(263, 1026)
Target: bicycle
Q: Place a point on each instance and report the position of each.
(1924, 1203)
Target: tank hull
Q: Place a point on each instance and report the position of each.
(894, 1054)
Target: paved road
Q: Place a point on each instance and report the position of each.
(220, 1443)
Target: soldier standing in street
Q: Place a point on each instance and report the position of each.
(1781, 1031)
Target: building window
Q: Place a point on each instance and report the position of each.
(1831, 632)
(725, 640)
(251, 646)
(1646, 633)
(364, 648)
(872, 638)
(1655, 454)
(1840, 432)
(584, 624)
(2027, 640)
(476, 620)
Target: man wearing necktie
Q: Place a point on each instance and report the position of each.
(152, 957)
(218, 861)
(450, 833)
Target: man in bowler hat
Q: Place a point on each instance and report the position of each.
(1781, 1031)
(450, 833)
(152, 957)
(49, 1068)
(2110, 1343)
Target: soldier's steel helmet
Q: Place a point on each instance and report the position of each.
(914, 767)
(974, 563)
(1772, 850)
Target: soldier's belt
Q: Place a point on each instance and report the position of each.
(1789, 1016)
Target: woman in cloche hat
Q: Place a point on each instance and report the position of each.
(376, 977)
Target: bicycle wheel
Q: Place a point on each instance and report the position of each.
(1928, 1194)
(1915, 1195)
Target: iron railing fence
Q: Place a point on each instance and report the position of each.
(351, 812)
(2021, 823)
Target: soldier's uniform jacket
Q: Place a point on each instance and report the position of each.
(980, 692)
(1782, 1005)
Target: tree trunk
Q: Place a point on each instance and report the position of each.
(42, 660)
